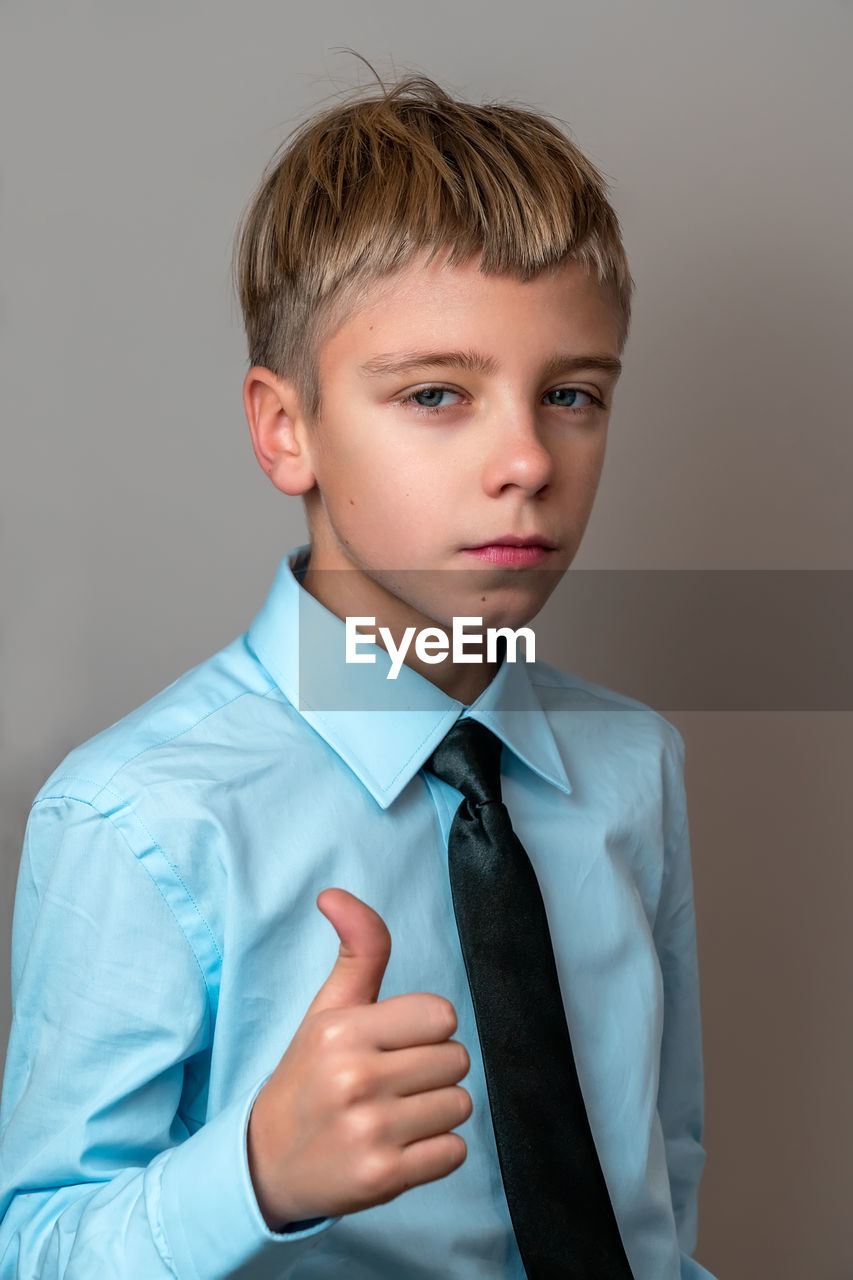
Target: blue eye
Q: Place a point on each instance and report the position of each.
(567, 397)
(431, 400)
(430, 397)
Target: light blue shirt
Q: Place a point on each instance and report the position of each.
(166, 946)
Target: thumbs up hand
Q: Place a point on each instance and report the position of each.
(362, 1104)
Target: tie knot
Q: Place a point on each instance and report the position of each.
(469, 758)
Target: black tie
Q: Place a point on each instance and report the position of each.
(561, 1212)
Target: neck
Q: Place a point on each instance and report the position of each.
(464, 681)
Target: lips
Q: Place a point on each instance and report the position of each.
(513, 553)
(510, 540)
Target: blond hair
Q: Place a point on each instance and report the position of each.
(357, 191)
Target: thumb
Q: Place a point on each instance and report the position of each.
(365, 948)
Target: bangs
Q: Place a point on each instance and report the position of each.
(361, 189)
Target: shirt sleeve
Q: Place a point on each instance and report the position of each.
(681, 1090)
(107, 1167)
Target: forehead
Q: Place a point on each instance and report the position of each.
(431, 305)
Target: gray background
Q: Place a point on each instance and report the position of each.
(138, 534)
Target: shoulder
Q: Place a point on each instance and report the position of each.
(621, 750)
(207, 707)
(561, 692)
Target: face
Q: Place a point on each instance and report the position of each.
(459, 411)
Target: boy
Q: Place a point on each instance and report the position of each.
(436, 298)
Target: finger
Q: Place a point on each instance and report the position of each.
(432, 1158)
(363, 955)
(424, 1115)
(406, 1071)
(404, 1022)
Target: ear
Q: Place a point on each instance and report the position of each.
(279, 435)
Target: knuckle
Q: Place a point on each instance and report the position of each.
(328, 1029)
(349, 1084)
(379, 1176)
(364, 1127)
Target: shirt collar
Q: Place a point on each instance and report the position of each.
(357, 710)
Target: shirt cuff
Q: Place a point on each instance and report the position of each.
(210, 1213)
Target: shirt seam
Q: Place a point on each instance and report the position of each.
(172, 737)
(140, 863)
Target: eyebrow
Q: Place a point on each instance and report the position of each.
(475, 362)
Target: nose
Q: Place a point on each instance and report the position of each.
(517, 456)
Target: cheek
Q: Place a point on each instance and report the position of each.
(583, 489)
(583, 469)
(402, 482)
(377, 502)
